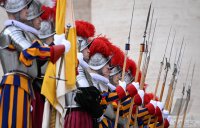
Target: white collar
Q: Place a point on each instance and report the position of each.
(99, 78)
(21, 25)
(103, 79)
(83, 63)
(111, 86)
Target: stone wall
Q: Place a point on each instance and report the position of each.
(82, 9)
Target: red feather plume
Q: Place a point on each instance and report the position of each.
(131, 65)
(100, 45)
(84, 29)
(107, 41)
(118, 56)
(49, 13)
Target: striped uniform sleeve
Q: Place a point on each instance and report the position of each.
(106, 123)
(115, 105)
(36, 51)
(126, 106)
(146, 119)
(141, 117)
(108, 98)
(143, 113)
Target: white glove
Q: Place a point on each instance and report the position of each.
(67, 44)
(165, 114)
(58, 38)
(136, 85)
(122, 84)
(160, 105)
(169, 118)
(154, 103)
(141, 94)
(112, 87)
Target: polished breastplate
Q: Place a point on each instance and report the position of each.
(69, 100)
(10, 58)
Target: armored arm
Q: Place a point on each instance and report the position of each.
(17, 38)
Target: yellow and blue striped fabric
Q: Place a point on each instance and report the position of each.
(108, 98)
(146, 118)
(106, 123)
(33, 52)
(15, 100)
(158, 125)
(124, 111)
(125, 106)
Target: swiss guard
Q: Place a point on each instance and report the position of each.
(16, 90)
(77, 116)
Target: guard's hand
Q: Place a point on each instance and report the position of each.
(133, 88)
(136, 85)
(58, 38)
(139, 98)
(121, 89)
(165, 113)
(67, 44)
(123, 85)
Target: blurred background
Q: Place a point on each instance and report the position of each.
(113, 17)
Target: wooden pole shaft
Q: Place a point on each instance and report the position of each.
(168, 98)
(119, 103)
(163, 85)
(149, 121)
(146, 69)
(130, 111)
(178, 113)
(183, 121)
(136, 80)
(138, 67)
(144, 73)
(156, 88)
(162, 91)
(124, 66)
(169, 95)
(158, 80)
(142, 80)
(155, 123)
(171, 101)
(117, 114)
(135, 117)
(52, 118)
(185, 112)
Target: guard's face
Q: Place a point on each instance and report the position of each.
(37, 22)
(116, 78)
(86, 54)
(49, 40)
(24, 14)
(106, 71)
